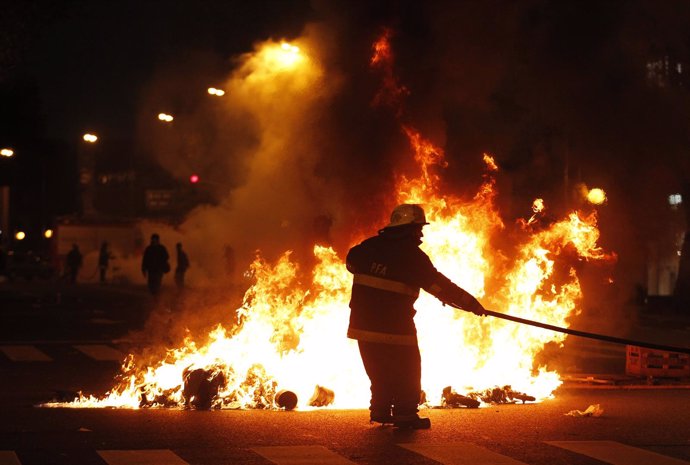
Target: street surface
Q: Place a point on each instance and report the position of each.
(52, 346)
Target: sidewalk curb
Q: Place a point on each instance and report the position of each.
(624, 387)
(620, 381)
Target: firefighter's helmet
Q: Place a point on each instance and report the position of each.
(407, 213)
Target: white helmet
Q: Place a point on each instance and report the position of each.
(407, 213)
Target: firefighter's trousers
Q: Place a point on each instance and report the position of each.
(395, 373)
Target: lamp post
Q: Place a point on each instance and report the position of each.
(5, 152)
(86, 173)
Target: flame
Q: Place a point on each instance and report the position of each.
(538, 205)
(391, 92)
(291, 335)
(290, 331)
(458, 241)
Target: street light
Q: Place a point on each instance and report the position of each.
(20, 235)
(90, 138)
(48, 233)
(596, 196)
(6, 152)
(216, 92)
(166, 118)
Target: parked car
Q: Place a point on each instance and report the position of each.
(26, 265)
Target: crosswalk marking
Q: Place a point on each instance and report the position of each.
(24, 354)
(101, 352)
(617, 453)
(301, 455)
(454, 453)
(460, 453)
(141, 457)
(8, 457)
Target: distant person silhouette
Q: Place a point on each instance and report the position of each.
(154, 264)
(103, 261)
(74, 261)
(182, 266)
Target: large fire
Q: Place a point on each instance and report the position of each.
(289, 333)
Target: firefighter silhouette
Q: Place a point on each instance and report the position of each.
(389, 270)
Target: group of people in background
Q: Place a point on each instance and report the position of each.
(154, 264)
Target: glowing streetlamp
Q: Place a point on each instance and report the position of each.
(216, 92)
(90, 138)
(48, 233)
(166, 118)
(596, 196)
(20, 235)
(287, 56)
(6, 152)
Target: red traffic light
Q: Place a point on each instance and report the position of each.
(194, 178)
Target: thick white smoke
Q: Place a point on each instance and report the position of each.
(257, 150)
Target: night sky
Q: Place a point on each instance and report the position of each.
(90, 60)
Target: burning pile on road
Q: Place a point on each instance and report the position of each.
(288, 348)
(291, 334)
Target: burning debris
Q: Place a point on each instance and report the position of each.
(321, 397)
(286, 400)
(452, 399)
(260, 387)
(201, 387)
(497, 395)
(501, 395)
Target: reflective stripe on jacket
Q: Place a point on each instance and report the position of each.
(389, 270)
(382, 338)
(386, 285)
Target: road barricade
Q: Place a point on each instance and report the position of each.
(656, 363)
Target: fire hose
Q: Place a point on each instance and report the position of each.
(575, 332)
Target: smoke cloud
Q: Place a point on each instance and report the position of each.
(559, 93)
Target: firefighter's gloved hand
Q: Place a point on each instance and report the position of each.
(477, 309)
(474, 307)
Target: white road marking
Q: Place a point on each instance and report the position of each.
(101, 352)
(22, 353)
(460, 453)
(301, 455)
(616, 453)
(8, 457)
(141, 457)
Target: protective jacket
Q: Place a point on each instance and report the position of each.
(389, 270)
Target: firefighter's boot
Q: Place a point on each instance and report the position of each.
(381, 417)
(411, 422)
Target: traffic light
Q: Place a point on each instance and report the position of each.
(194, 178)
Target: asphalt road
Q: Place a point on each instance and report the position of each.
(79, 337)
(650, 421)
